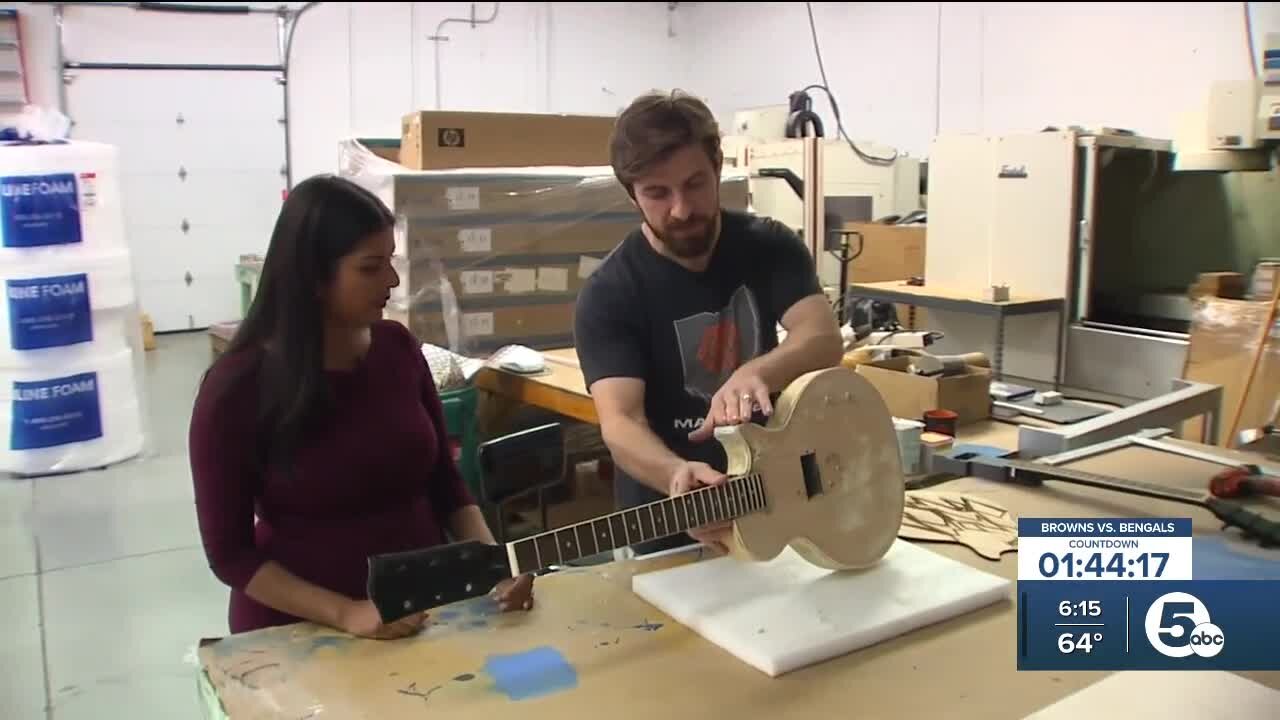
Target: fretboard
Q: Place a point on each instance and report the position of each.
(732, 499)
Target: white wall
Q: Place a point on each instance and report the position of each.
(357, 70)
(903, 72)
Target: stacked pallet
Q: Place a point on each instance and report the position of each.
(491, 256)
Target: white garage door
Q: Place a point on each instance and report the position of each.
(202, 158)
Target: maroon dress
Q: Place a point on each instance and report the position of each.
(376, 477)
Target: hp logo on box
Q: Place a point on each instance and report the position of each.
(1178, 626)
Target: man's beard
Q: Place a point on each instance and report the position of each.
(690, 239)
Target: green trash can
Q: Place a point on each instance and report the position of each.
(460, 423)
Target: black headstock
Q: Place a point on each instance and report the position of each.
(407, 582)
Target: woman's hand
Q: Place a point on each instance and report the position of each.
(515, 593)
(361, 618)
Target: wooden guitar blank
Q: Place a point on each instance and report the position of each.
(833, 474)
(983, 526)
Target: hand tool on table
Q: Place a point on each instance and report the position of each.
(1243, 482)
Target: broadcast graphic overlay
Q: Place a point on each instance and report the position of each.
(1119, 594)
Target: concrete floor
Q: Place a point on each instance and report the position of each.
(104, 590)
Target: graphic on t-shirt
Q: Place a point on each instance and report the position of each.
(714, 344)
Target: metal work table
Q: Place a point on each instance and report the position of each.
(927, 296)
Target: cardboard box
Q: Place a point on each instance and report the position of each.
(1218, 284)
(511, 243)
(890, 252)
(909, 396)
(1223, 350)
(435, 140)
(148, 333)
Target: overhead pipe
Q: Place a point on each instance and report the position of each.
(438, 37)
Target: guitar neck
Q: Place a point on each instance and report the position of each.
(731, 499)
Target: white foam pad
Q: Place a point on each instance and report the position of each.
(785, 614)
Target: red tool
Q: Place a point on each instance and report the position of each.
(1242, 482)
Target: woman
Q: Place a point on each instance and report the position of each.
(323, 420)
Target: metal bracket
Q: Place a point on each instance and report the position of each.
(1188, 400)
(1148, 439)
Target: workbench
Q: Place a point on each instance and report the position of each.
(629, 660)
(558, 388)
(940, 298)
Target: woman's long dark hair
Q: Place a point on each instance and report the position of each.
(323, 219)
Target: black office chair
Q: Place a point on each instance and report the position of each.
(517, 465)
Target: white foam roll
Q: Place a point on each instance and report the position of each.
(75, 416)
(65, 306)
(114, 330)
(58, 197)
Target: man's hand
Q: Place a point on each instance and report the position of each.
(691, 476)
(735, 402)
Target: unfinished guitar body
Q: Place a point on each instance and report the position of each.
(823, 476)
(832, 474)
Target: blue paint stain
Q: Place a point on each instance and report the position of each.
(647, 626)
(478, 624)
(530, 674)
(483, 606)
(333, 641)
(448, 614)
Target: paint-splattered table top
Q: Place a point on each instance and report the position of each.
(591, 646)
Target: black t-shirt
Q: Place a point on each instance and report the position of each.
(643, 315)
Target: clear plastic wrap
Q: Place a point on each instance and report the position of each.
(1224, 350)
(490, 257)
(72, 366)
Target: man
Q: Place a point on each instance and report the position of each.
(676, 331)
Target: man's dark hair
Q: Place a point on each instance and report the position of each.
(656, 125)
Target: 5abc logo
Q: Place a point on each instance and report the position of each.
(1178, 626)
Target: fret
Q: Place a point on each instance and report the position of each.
(748, 496)
(691, 503)
(578, 534)
(722, 502)
(706, 514)
(632, 518)
(683, 502)
(646, 524)
(603, 535)
(548, 551)
(734, 509)
(566, 545)
(526, 552)
(618, 527)
(670, 518)
(660, 526)
(759, 483)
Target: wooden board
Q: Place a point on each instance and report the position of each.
(982, 525)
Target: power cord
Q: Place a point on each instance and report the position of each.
(835, 108)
